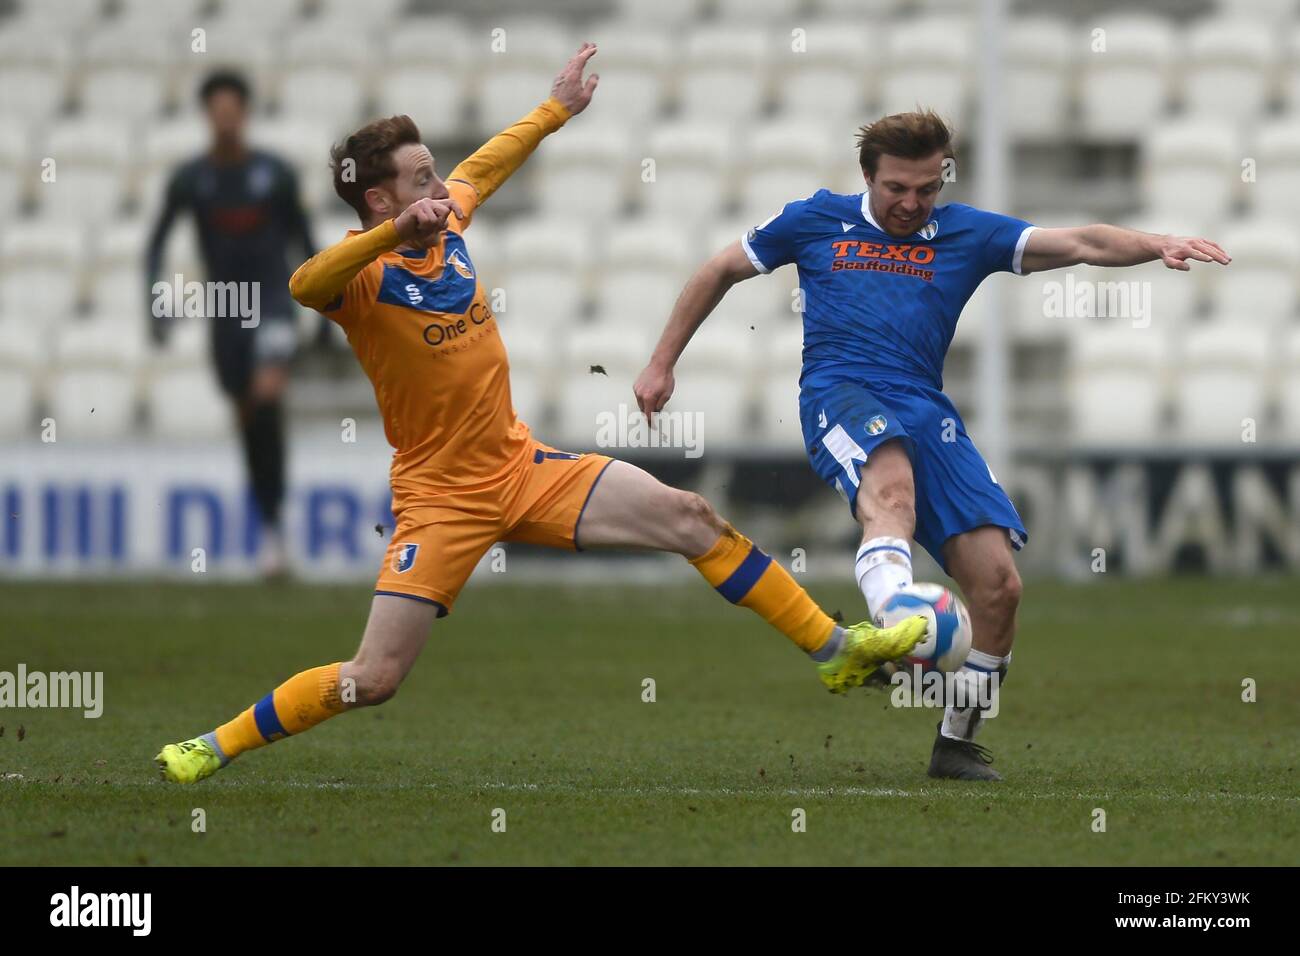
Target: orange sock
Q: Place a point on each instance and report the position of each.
(744, 575)
(300, 703)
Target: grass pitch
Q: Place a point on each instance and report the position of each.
(1124, 696)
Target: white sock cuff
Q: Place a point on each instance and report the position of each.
(878, 551)
(980, 661)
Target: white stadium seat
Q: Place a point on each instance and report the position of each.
(185, 403)
(719, 405)
(778, 427)
(586, 172)
(722, 345)
(1221, 381)
(691, 162)
(1192, 168)
(723, 74)
(785, 159)
(636, 64)
(435, 96)
(547, 278)
(1276, 189)
(48, 242)
(41, 294)
(1261, 282)
(1124, 86)
(928, 61)
(645, 265)
(1227, 67)
(662, 12)
(125, 92)
(96, 403)
(1115, 386)
(834, 74)
(326, 94)
(1288, 397)
(32, 92)
(451, 36)
(616, 346)
(1039, 60)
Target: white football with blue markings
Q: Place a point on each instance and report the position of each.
(948, 641)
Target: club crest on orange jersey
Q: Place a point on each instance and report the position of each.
(404, 558)
(460, 264)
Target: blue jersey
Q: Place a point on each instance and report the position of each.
(877, 307)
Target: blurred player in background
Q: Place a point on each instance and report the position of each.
(246, 205)
(884, 276)
(466, 472)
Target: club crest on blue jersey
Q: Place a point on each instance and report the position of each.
(930, 229)
(404, 559)
(876, 425)
(458, 262)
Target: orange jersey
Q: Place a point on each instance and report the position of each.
(420, 325)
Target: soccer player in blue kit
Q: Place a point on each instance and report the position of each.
(884, 275)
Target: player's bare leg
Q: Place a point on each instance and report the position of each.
(396, 632)
(629, 508)
(982, 564)
(885, 507)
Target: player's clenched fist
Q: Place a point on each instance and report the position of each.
(422, 220)
(653, 388)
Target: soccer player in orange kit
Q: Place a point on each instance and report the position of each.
(466, 472)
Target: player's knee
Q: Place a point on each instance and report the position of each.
(697, 523)
(376, 684)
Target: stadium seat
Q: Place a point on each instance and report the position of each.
(636, 64)
(105, 341)
(780, 343)
(184, 403)
(49, 242)
(530, 346)
(616, 346)
(436, 96)
(778, 429)
(514, 79)
(586, 172)
(17, 401)
(1175, 296)
(170, 142)
(1115, 386)
(125, 92)
(329, 95)
(548, 262)
(121, 291)
(40, 294)
(409, 47)
(645, 265)
(245, 46)
(174, 13)
(1261, 282)
(1227, 67)
(32, 92)
(770, 296)
(879, 9)
(691, 162)
(529, 399)
(1288, 390)
(1124, 86)
(723, 74)
(784, 160)
(720, 406)
(663, 12)
(1039, 61)
(1221, 381)
(1192, 168)
(927, 64)
(270, 14)
(832, 77)
(92, 402)
(1276, 189)
(585, 400)
(721, 345)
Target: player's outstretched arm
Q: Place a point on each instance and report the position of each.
(322, 278)
(1102, 245)
(654, 386)
(496, 160)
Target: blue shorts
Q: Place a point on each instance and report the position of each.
(844, 420)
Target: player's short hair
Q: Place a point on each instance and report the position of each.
(219, 80)
(905, 135)
(370, 150)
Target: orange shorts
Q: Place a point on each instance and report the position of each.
(439, 540)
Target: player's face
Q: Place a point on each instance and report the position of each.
(226, 115)
(416, 176)
(904, 191)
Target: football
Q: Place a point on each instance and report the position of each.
(948, 642)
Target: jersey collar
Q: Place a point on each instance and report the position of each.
(866, 210)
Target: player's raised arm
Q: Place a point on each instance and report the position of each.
(496, 160)
(322, 278)
(654, 386)
(1101, 245)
